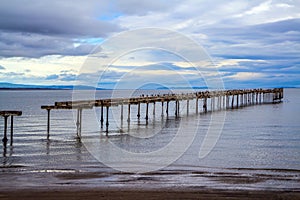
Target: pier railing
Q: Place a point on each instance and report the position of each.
(218, 100)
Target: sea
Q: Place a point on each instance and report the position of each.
(255, 147)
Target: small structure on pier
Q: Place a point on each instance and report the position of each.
(11, 114)
(219, 100)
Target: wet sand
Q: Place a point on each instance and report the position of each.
(102, 193)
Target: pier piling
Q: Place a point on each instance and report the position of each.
(6, 114)
(5, 130)
(162, 108)
(102, 118)
(107, 123)
(147, 110)
(139, 110)
(167, 109)
(128, 117)
(48, 123)
(197, 105)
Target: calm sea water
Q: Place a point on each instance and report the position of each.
(259, 147)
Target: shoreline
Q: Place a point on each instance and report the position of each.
(119, 193)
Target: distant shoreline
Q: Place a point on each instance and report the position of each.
(35, 89)
(1, 89)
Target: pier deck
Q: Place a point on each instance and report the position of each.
(219, 100)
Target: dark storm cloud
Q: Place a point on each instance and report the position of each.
(142, 7)
(70, 18)
(35, 45)
(32, 28)
(268, 41)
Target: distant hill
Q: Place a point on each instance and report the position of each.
(13, 86)
(183, 88)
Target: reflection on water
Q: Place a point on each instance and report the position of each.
(259, 147)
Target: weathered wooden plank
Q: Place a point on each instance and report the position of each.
(10, 113)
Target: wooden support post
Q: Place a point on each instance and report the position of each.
(223, 101)
(128, 118)
(80, 127)
(220, 103)
(122, 112)
(242, 99)
(227, 101)
(153, 108)
(212, 104)
(167, 109)
(77, 122)
(107, 123)
(139, 110)
(187, 106)
(11, 129)
(10, 114)
(5, 130)
(260, 97)
(249, 98)
(205, 105)
(237, 100)
(176, 107)
(197, 105)
(232, 101)
(48, 123)
(162, 108)
(102, 118)
(147, 110)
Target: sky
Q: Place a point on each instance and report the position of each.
(250, 43)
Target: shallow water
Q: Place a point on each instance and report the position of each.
(259, 146)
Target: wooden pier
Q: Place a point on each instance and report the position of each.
(219, 100)
(11, 114)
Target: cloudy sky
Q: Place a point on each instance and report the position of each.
(252, 43)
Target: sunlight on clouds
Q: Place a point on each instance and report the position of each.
(38, 69)
(283, 5)
(236, 63)
(268, 11)
(246, 76)
(265, 6)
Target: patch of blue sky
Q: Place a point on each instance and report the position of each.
(89, 41)
(109, 16)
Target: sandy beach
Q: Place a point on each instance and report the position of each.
(102, 193)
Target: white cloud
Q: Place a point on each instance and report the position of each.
(246, 76)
